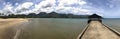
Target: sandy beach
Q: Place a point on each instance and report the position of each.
(9, 22)
(7, 25)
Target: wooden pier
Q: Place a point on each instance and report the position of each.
(97, 30)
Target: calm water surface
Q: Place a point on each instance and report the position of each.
(52, 28)
(113, 23)
(57, 28)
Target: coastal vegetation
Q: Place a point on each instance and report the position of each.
(44, 15)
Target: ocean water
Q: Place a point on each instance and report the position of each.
(53, 28)
(113, 23)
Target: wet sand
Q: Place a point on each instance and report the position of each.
(98, 31)
(7, 30)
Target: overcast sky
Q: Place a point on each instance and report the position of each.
(105, 8)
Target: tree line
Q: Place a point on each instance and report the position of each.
(45, 15)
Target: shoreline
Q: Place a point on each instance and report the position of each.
(7, 26)
(11, 22)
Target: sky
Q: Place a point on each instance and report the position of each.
(105, 8)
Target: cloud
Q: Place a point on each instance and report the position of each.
(61, 6)
(64, 6)
(23, 7)
(7, 9)
(44, 6)
(72, 10)
(70, 2)
(19, 8)
(76, 7)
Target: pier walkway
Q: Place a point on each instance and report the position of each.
(97, 30)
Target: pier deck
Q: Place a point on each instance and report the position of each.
(97, 30)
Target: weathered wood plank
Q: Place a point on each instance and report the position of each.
(97, 30)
